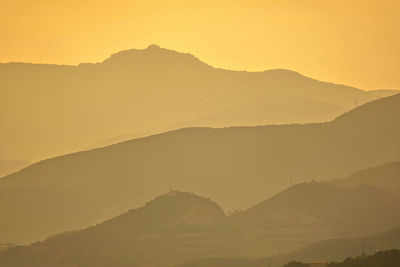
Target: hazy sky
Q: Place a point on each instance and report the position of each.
(355, 42)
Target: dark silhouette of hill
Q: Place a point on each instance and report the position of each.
(325, 209)
(385, 176)
(236, 166)
(10, 166)
(68, 108)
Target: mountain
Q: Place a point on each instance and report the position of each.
(179, 227)
(172, 210)
(323, 209)
(387, 258)
(336, 250)
(161, 227)
(236, 166)
(50, 110)
(385, 176)
(10, 166)
(339, 249)
(171, 229)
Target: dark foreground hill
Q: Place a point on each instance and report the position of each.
(50, 110)
(236, 166)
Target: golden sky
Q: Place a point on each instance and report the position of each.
(354, 42)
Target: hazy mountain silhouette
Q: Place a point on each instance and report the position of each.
(68, 108)
(386, 176)
(171, 229)
(236, 166)
(174, 209)
(339, 249)
(323, 209)
(384, 258)
(178, 227)
(10, 166)
(327, 250)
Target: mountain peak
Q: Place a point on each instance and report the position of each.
(153, 46)
(186, 208)
(173, 209)
(154, 57)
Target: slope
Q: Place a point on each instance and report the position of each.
(10, 166)
(172, 228)
(328, 250)
(49, 110)
(236, 166)
(385, 176)
(339, 249)
(322, 207)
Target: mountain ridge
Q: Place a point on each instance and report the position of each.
(179, 227)
(211, 162)
(170, 88)
(385, 176)
(320, 204)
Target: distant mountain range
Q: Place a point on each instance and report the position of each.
(49, 110)
(236, 166)
(173, 227)
(177, 227)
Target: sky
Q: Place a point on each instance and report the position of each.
(353, 42)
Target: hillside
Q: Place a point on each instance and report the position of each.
(340, 249)
(385, 176)
(384, 92)
(335, 250)
(322, 208)
(146, 91)
(10, 166)
(171, 229)
(236, 166)
(181, 227)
